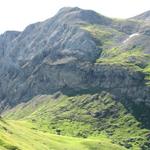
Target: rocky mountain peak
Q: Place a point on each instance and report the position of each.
(69, 9)
(75, 15)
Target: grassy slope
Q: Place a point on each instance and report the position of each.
(107, 36)
(21, 135)
(86, 115)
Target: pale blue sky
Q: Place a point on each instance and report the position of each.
(17, 14)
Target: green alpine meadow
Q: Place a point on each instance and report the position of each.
(76, 81)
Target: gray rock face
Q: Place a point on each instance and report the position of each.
(141, 41)
(5, 39)
(58, 54)
(77, 15)
(59, 40)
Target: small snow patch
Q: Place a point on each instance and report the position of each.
(131, 36)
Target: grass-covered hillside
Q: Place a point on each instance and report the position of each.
(85, 116)
(21, 135)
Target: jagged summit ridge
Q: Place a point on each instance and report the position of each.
(73, 15)
(68, 9)
(45, 36)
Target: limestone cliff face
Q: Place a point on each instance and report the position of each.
(59, 55)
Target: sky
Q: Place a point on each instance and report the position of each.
(17, 14)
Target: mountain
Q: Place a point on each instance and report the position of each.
(89, 68)
(60, 53)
